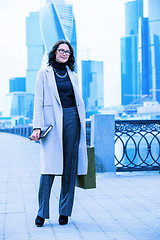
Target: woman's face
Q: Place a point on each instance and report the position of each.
(62, 53)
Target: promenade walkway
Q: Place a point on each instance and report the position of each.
(122, 207)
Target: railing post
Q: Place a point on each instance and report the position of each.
(102, 138)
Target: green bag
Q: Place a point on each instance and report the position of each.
(88, 181)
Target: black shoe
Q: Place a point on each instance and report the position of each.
(63, 220)
(39, 221)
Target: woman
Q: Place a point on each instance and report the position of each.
(58, 102)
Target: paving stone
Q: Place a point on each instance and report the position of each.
(124, 206)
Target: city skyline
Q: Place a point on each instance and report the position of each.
(96, 45)
(140, 64)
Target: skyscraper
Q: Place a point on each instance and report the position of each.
(17, 101)
(129, 51)
(144, 81)
(57, 22)
(154, 25)
(17, 84)
(136, 79)
(129, 56)
(35, 50)
(92, 86)
(18, 104)
(133, 11)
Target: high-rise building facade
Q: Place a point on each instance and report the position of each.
(133, 11)
(129, 52)
(136, 81)
(35, 50)
(92, 86)
(17, 84)
(17, 101)
(154, 25)
(129, 76)
(57, 22)
(53, 22)
(19, 104)
(144, 81)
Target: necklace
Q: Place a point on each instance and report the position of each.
(60, 76)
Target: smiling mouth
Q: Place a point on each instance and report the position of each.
(64, 58)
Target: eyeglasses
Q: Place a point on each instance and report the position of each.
(62, 51)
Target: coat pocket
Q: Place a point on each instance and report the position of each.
(48, 115)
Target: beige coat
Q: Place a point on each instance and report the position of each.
(48, 110)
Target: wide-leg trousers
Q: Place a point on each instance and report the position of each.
(71, 135)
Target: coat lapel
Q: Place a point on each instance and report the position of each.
(52, 83)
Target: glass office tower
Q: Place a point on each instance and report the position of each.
(57, 22)
(35, 50)
(19, 104)
(129, 56)
(154, 25)
(144, 60)
(133, 11)
(136, 80)
(17, 84)
(129, 52)
(92, 86)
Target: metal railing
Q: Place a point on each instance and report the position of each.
(24, 131)
(137, 145)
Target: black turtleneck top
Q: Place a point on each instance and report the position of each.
(64, 85)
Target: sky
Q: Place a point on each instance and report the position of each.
(99, 23)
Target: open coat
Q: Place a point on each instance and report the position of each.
(48, 110)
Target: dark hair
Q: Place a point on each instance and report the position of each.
(52, 54)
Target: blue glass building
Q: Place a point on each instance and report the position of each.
(129, 56)
(57, 22)
(17, 101)
(35, 50)
(154, 25)
(144, 59)
(92, 86)
(129, 52)
(136, 81)
(19, 104)
(17, 84)
(133, 11)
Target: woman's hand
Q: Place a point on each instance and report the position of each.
(35, 135)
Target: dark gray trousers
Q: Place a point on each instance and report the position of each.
(71, 135)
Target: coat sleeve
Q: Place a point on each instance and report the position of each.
(38, 101)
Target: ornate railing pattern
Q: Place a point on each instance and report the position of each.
(137, 145)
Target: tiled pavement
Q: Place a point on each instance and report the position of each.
(122, 207)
